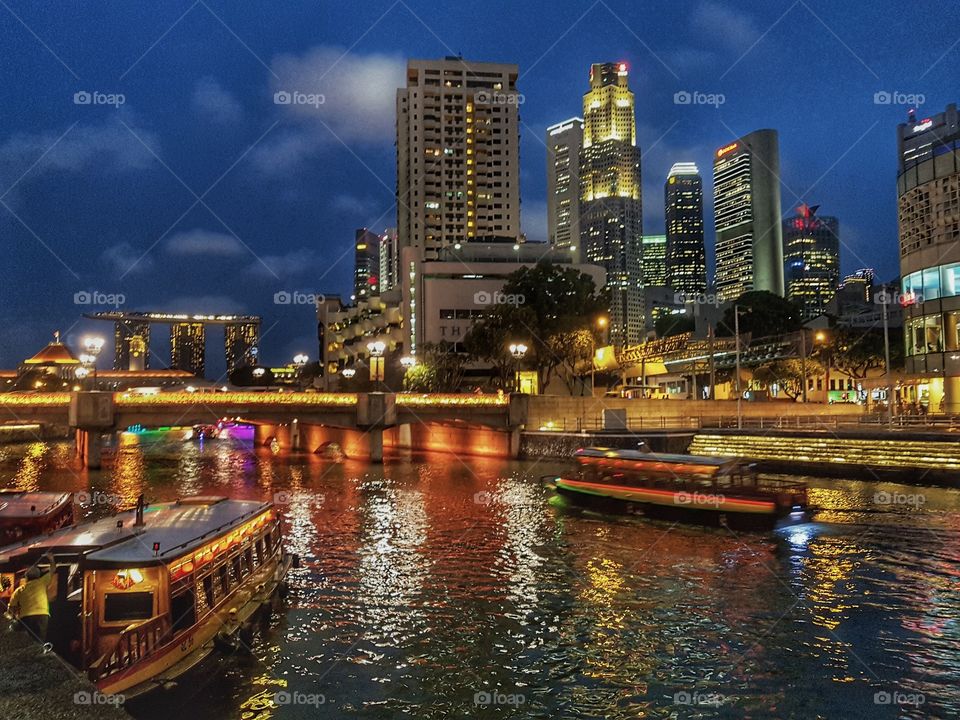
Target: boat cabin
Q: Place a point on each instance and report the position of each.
(25, 514)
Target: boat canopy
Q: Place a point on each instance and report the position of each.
(169, 531)
(16, 505)
(651, 458)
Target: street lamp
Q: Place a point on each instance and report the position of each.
(93, 347)
(408, 362)
(736, 331)
(602, 323)
(821, 339)
(376, 350)
(82, 374)
(517, 350)
(300, 360)
(348, 373)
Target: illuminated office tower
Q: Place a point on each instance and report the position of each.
(188, 346)
(746, 206)
(611, 213)
(131, 345)
(564, 141)
(458, 153)
(683, 214)
(366, 273)
(811, 253)
(240, 344)
(654, 260)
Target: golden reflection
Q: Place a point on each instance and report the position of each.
(261, 704)
(31, 467)
(129, 471)
(608, 654)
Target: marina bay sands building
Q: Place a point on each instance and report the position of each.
(188, 339)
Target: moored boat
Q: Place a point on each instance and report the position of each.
(26, 514)
(688, 488)
(144, 596)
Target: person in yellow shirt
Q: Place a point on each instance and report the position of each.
(30, 602)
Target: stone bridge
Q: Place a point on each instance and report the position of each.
(363, 424)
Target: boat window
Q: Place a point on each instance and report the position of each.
(183, 611)
(207, 588)
(237, 570)
(248, 557)
(268, 543)
(223, 574)
(127, 606)
(259, 551)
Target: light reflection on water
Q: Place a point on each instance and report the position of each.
(426, 582)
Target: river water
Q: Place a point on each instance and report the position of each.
(441, 587)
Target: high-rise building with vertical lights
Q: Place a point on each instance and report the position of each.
(241, 344)
(683, 215)
(564, 141)
(811, 255)
(188, 347)
(928, 207)
(366, 266)
(389, 260)
(746, 207)
(654, 265)
(458, 152)
(611, 208)
(131, 345)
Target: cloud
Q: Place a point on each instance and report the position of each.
(736, 30)
(358, 91)
(191, 243)
(124, 258)
(283, 153)
(302, 263)
(213, 101)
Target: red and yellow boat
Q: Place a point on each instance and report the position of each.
(26, 514)
(143, 596)
(691, 488)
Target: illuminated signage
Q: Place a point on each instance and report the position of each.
(925, 124)
(727, 148)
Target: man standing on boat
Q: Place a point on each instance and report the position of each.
(30, 602)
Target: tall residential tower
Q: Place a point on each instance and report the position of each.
(611, 208)
(564, 141)
(746, 207)
(683, 214)
(458, 140)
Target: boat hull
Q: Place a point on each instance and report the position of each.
(677, 506)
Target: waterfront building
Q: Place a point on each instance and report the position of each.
(928, 207)
(564, 142)
(458, 153)
(611, 207)
(131, 345)
(746, 199)
(811, 252)
(366, 266)
(683, 215)
(188, 344)
(241, 344)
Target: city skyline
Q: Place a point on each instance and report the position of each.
(262, 204)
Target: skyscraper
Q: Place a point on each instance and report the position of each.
(458, 148)
(389, 260)
(240, 344)
(366, 268)
(746, 206)
(188, 346)
(654, 264)
(611, 208)
(131, 345)
(683, 214)
(811, 252)
(928, 192)
(564, 141)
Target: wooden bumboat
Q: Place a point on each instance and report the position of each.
(687, 488)
(143, 596)
(26, 514)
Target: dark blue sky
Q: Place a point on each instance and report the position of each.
(199, 193)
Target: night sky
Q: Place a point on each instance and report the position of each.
(199, 193)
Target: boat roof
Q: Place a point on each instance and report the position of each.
(178, 527)
(16, 505)
(653, 457)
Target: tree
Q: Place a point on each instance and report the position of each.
(438, 369)
(575, 350)
(489, 340)
(857, 352)
(787, 375)
(762, 313)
